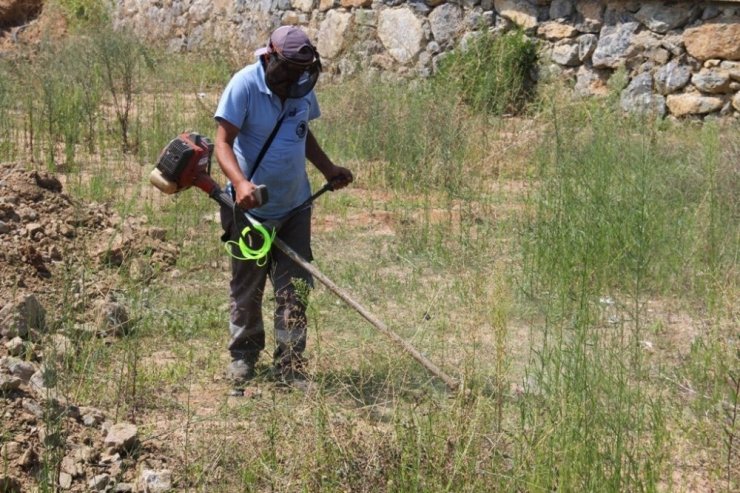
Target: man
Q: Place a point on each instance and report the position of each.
(279, 85)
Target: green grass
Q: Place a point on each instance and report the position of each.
(492, 73)
(537, 259)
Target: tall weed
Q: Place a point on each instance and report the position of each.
(421, 138)
(492, 73)
(122, 58)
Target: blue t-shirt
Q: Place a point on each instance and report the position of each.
(248, 104)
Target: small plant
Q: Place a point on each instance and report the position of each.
(85, 14)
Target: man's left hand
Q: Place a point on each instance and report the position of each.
(339, 177)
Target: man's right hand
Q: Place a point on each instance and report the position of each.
(247, 195)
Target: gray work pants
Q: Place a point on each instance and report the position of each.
(290, 283)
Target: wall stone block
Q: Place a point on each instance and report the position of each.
(590, 15)
(555, 31)
(520, 12)
(591, 81)
(639, 97)
(332, 33)
(672, 77)
(401, 32)
(693, 104)
(712, 81)
(355, 3)
(661, 17)
(586, 46)
(732, 68)
(303, 5)
(560, 9)
(446, 23)
(614, 42)
(566, 53)
(717, 39)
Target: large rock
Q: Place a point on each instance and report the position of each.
(613, 46)
(112, 318)
(152, 481)
(122, 437)
(401, 33)
(520, 12)
(19, 368)
(736, 102)
(43, 383)
(91, 416)
(9, 383)
(639, 97)
(16, 346)
(719, 39)
(446, 23)
(99, 482)
(712, 81)
(693, 104)
(21, 315)
(672, 77)
(660, 17)
(332, 33)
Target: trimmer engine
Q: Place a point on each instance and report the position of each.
(184, 162)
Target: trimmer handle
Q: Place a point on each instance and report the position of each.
(328, 187)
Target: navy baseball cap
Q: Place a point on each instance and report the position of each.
(291, 43)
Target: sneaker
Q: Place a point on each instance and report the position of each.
(240, 372)
(291, 375)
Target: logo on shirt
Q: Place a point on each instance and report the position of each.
(301, 129)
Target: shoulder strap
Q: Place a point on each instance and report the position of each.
(266, 146)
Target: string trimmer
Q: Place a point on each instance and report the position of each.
(186, 162)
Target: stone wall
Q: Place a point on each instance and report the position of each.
(682, 57)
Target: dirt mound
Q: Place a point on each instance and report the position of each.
(14, 13)
(46, 233)
(24, 23)
(60, 264)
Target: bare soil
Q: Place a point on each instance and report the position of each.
(48, 239)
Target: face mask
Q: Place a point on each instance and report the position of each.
(290, 80)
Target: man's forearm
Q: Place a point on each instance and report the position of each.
(228, 163)
(317, 156)
(225, 135)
